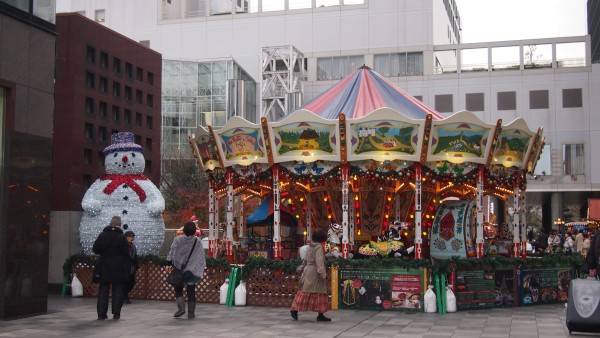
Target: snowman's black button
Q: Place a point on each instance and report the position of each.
(125, 186)
(125, 198)
(124, 212)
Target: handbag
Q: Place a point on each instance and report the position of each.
(175, 277)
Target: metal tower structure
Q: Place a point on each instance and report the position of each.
(283, 74)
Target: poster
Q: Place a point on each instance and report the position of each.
(477, 289)
(543, 285)
(389, 289)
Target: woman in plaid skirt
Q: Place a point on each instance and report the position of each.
(313, 293)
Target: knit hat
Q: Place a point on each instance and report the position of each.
(123, 141)
(115, 221)
(129, 233)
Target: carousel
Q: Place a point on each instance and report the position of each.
(382, 171)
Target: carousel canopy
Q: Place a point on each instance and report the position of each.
(363, 92)
(264, 212)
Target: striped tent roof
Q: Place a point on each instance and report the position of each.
(364, 91)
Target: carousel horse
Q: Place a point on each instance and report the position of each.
(388, 244)
(333, 247)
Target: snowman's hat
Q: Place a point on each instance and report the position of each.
(123, 141)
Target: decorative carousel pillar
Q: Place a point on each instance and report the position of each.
(514, 215)
(397, 208)
(479, 228)
(418, 190)
(213, 232)
(345, 249)
(276, 215)
(523, 222)
(351, 223)
(229, 241)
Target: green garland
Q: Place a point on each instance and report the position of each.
(289, 266)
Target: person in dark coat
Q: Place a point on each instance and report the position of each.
(115, 267)
(130, 235)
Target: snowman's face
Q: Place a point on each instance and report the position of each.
(124, 162)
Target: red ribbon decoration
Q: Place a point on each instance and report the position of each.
(117, 180)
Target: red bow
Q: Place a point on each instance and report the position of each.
(117, 180)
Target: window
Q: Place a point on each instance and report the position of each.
(116, 114)
(573, 159)
(149, 122)
(148, 167)
(139, 97)
(87, 181)
(544, 164)
(87, 156)
(89, 132)
(150, 100)
(138, 119)
(116, 89)
(128, 93)
(103, 110)
(538, 99)
(419, 97)
(443, 103)
(129, 70)
(100, 157)
(117, 65)
(103, 84)
(99, 15)
(138, 139)
(103, 134)
(91, 54)
(90, 80)
(572, 98)
(399, 64)
(127, 116)
(336, 68)
(507, 101)
(148, 144)
(145, 43)
(474, 102)
(103, 60)
(139, 74)
(89, 105)
(151, 78)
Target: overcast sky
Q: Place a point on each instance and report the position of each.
(499, 20)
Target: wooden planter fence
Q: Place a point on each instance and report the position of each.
(265, 286)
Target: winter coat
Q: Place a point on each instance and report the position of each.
(113, 248)
(579, 242)
(314, 274)
(180, 250)
(134, 258)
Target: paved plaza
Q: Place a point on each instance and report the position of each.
(76, 317)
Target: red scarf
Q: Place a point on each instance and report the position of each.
(117, 180)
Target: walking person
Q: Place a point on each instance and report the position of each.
(130, 235)
(579, 241)
(312, 295)
(568, 245)
(586, 245)
(114, 269)
(187, 254)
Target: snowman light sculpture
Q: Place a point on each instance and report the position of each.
(124, 191)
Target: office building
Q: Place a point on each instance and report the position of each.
(27, 44)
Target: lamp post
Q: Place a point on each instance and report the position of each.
(559, 223)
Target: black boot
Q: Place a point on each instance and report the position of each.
(294, 314)
(322, 318)
(180, 307)
(191, 310)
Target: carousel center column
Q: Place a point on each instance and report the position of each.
(276, 215)
(514, 217)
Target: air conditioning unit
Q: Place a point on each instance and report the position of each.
(220, 7)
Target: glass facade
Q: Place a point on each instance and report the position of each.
(194, 93)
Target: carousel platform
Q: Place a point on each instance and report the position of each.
(76, 317)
